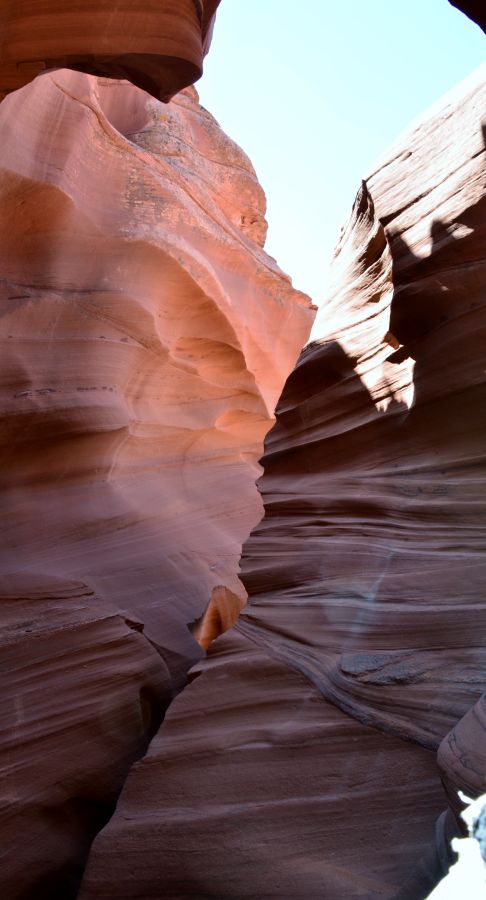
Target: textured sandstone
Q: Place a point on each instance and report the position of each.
(366, 580)
(157, 44)
(252, 790)
(373, 485)
(462, 756)
(82, 693)
(146, 337)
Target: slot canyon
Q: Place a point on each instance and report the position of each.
(243, 551)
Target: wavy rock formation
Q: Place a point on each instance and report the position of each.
(374, 471)
(146, 337)
(255, 786)
(157, 44)
(300, 762)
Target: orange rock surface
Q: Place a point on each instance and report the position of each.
(157, 44)
(301, 760)
(146, 337)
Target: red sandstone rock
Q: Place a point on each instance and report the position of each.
(157, 44)
(373, 533)
(257, 787)
(83, 691)
(146, 337)
(366, 579)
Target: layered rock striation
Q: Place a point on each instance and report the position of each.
(146, 337)
(300, 762)
(367, 571)
(158, 45)
(374, 471)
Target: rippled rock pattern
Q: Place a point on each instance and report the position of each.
(367, 573)
(300, 762)
(146, 337)
(157, 44)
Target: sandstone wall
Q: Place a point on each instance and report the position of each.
(366, 580)
(146, 337)
(157, 44)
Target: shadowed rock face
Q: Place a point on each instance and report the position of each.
(257, 787)
(462, 756)
(367, 572)
(83, 691)
(366, 580)
(146, 337)
(157, 44)
(474, 9)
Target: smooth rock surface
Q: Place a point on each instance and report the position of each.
(146, 337)
(256, 787)
(83, 691)
(366, 579)
(156, 44)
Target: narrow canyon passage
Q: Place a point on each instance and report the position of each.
(150, 379)
(257, 787)
(364, 578)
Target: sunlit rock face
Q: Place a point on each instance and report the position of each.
(146, 337)
(157, 44)
(300, 762)
(367, 573)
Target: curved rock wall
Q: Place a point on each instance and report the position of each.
(146, 337)
(157, 44)
(366, 580)
(367, 571)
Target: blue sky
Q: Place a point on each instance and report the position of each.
(314, 91)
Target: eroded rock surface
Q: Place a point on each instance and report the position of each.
(157, 44)
(368, 571)
(83, 691)
(366, 579)
(258, 787)
(146, 337)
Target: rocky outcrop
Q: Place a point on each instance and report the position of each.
(146, 337)
(157, 44)
(301, 760)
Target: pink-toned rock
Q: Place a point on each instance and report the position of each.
(157, 44)
(83, 692)
(366, 579)
(255, 786)
(146, 337)
(367, 572)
